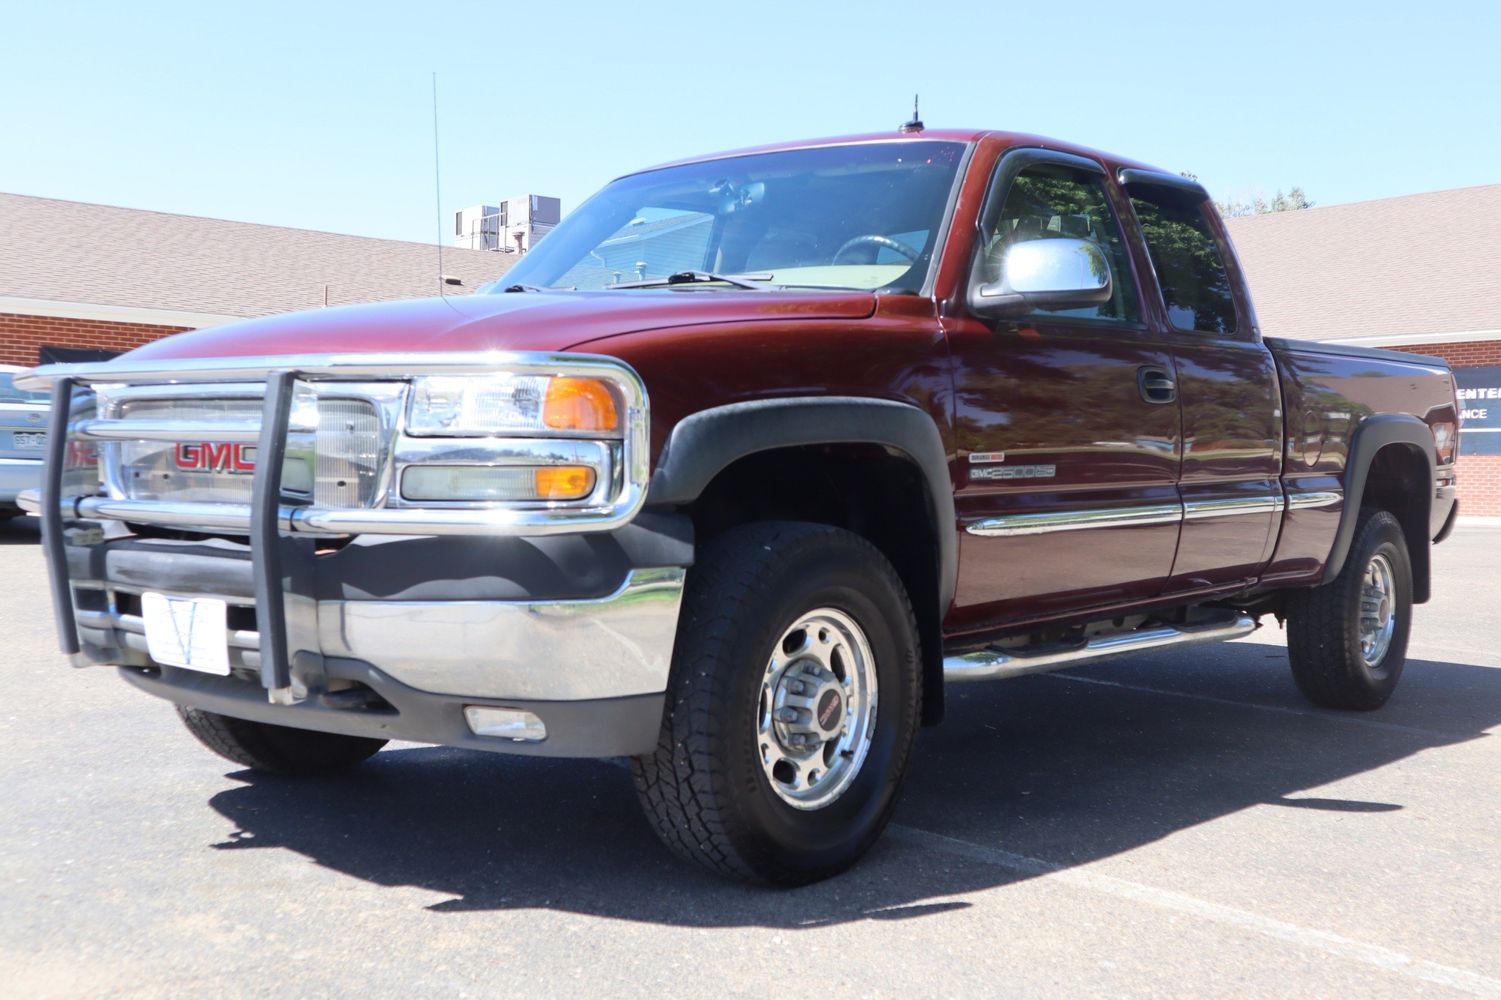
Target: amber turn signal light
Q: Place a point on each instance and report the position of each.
(564, 482)
(579, 404)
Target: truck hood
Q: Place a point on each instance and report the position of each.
(527, 321)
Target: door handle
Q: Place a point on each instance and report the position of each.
(1156, 385)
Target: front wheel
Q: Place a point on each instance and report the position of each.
(1347, 639)
(792, 706)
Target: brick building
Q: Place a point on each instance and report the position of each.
(75, 275)
(1420, 273)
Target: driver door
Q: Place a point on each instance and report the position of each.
(1068, 427)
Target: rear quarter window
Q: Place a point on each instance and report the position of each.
(1188, 260)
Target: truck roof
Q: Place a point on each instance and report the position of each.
(1006, 139)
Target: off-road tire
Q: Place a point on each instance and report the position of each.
(704, 790)
(261, 746)
(1323, 624)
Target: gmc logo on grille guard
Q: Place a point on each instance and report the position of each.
(210, 457)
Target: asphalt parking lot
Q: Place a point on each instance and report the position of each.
(1179, 824)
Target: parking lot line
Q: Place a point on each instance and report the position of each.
(1280, 709)
(1328, 942)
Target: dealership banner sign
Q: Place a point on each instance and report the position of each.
(1479, 410)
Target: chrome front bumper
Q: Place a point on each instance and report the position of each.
(379, 620)
(613, 647)
(594, 668)
(552, 650)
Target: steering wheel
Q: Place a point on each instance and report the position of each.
(877, 240)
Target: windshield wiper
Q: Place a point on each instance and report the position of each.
(522, 288)
(754, 282)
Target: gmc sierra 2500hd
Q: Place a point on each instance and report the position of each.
(735, 471)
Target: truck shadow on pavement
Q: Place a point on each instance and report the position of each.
(1066, 769)
(21, 531)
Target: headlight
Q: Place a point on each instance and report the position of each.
(487, 405)
(579, 404)
(555, 437)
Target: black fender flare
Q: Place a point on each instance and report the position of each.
(705, 443)
(1373, 434)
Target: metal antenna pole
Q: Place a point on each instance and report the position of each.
(915, 125)
(437, 184)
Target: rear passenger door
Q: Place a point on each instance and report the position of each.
(1226, 386)
(1066, 480)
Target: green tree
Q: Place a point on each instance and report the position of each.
(1290, 202)
(1293, 200)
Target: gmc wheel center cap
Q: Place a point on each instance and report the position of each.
(828, 712)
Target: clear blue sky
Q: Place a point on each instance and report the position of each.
(318, 115)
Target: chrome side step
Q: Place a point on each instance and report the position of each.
(993, 664)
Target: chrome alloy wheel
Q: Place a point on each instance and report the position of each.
(1378, 619)
(818, 709)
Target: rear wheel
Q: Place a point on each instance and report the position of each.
(1347, 640)
(792, 707)
(276, 749)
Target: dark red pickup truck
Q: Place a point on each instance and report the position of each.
(735, 472)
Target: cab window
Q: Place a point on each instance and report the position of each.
(1187, 258)
(1049, 201)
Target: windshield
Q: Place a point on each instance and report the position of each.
(860, 216)
(10, 394)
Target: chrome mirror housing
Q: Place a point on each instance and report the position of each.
(1045, 274)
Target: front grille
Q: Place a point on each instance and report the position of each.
(334, 452)
(173, 444)
(194, 471)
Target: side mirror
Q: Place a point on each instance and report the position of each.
(1045, 274)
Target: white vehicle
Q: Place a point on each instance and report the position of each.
(23, 440)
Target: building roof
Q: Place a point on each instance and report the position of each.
(75, 253)
(1415, 269)
(1423, 267)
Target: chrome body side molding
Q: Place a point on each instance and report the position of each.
(1124, 517)
(1302, 501)
(1075, 520)
(1194, 510)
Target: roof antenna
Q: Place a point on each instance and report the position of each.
(437, 185)
(915, 125)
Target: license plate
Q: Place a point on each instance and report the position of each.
(187, 632)
(29, 439)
